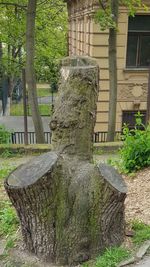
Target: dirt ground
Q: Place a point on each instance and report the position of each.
(138, 197)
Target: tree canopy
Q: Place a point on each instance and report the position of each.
(51, 31)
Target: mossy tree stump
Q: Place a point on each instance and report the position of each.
(69, 209)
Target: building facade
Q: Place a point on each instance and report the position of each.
(133, 58)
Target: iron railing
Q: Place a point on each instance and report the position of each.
(18, 137)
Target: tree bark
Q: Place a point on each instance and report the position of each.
(74, 116)
(30, 71)
(113, 73)
(148, 101)
(70, 210)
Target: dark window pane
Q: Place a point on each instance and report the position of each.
(144, 57)
(139, 23)
(132, 50)
(129, 118)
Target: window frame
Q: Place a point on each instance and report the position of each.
(139, 34)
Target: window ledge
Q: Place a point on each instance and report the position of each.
(136, 70)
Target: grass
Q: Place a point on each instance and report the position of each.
(4, 171)
(41, 92)
(9, 222)
(45, 109)
(111, 258)
(17, 109)
(142, 232)
(8, 219)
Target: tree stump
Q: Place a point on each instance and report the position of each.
(69, 209)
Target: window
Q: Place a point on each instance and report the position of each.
(138, 47)
(129, 118)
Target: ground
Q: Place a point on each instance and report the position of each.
(138, 198)
(137, 207)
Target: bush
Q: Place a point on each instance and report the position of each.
(135, 153)
(5, 135)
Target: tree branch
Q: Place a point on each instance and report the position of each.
(102, 4)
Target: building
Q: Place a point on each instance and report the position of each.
(133, 58)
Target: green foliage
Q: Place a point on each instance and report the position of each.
(104, 14)
(4, 135)
(142, 232)
(8, 154)
(112, 257)
(4, 171)
(8, 219)
(51, 41)
(135, 153)
(105, 19)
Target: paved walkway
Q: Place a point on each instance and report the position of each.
(16, 123)
(143, 263)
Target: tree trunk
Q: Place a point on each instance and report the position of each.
(113, 73)
(70, 210)
(148, 101)
(1, 56)
(30, 71)
(74, 116)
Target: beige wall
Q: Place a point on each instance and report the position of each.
(86, 38)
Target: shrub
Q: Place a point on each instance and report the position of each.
(4, 135)
(135, 153)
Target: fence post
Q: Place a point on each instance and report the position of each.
(148, 100)
(25, 107)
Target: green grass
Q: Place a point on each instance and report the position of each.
(41, 92)
(112, 257)
(5, 170)
(17, 110)
(9, 222)
(142, 232)
(8, 219)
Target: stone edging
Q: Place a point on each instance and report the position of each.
(138, 255)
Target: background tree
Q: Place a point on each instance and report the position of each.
(45, 44)
(107, 17)
(30, 70)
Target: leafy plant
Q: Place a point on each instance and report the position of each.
(135, 153)
(5, 135)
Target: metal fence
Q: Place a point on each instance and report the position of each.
(18, 137)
